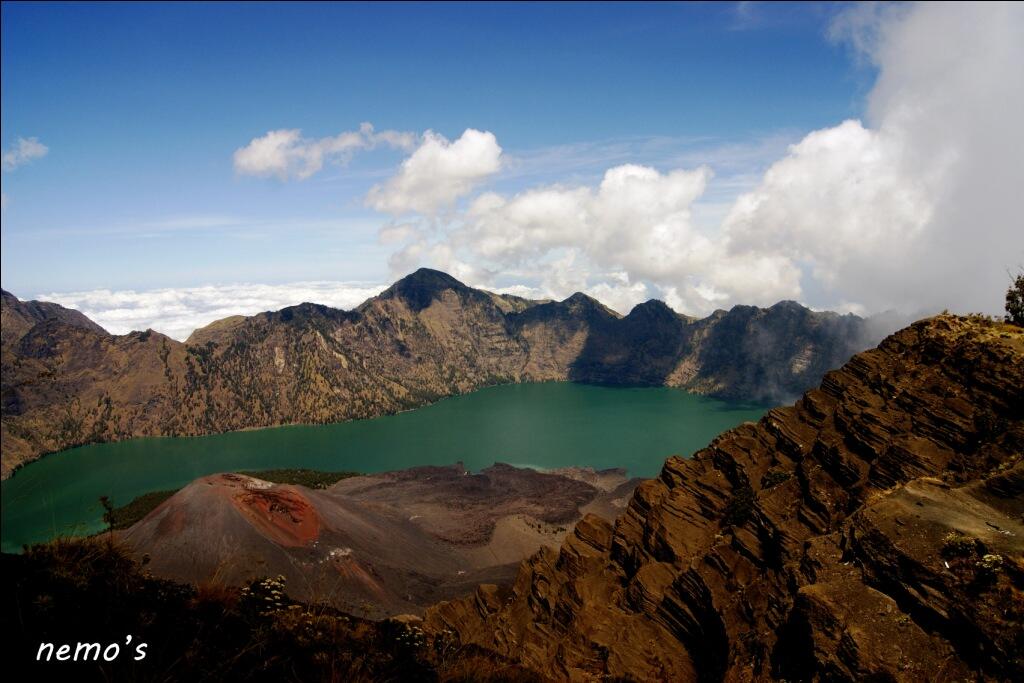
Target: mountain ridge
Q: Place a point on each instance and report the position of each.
(67, 382)
(18, 316)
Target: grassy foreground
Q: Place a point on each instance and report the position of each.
(88, 592)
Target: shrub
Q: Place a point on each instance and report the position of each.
(740, 506)
(991, 563)
(1015, 302)
(775, 477)
(956, 544)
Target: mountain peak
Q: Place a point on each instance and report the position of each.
(581, 299)
(655, 308)
(421, 287)
(424, 277)
(584, 303)
(789, 305)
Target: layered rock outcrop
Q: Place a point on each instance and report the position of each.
(66, 382)
(872, 531)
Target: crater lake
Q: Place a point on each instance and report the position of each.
(543, 425)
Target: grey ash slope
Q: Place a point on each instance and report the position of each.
(66, 382)
(374, 545)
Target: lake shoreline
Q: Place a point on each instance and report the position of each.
(544, 425)
(745, 404)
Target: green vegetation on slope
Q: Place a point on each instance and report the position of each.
(312, 479)
(127, 515)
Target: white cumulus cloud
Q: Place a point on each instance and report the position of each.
(632, 230)
(176, 312)
(286, 154)
(438, 173)
(841, 200)
(913, 208)
(916, 209)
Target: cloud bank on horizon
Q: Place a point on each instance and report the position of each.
(177, 312)
(913, 209)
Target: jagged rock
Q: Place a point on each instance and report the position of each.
(812, 546)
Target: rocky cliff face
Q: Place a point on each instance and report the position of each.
(873, 531)
(66, 382)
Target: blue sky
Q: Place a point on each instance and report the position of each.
(142, 109)
(142, 106)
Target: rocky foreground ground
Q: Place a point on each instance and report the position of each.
(873, 531)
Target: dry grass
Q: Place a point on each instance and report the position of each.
(75, 589)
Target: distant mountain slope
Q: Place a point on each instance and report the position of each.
(67, 382)
(874, 531)
(18, 317)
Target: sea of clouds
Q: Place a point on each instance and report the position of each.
(176, 312)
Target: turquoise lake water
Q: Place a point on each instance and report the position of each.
(545, 425)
